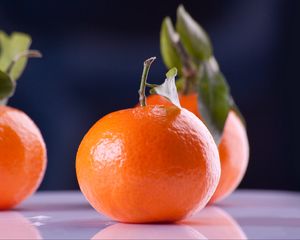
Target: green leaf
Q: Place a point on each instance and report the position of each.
(169, 53)
(10, 47)
(214, 99)
(193, 37)
(7, 87)
(168, 88)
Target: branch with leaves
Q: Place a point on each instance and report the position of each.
(188, 48)
(14, 53)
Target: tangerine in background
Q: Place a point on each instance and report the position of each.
(22, 148)
(148, 164)
(233, 147)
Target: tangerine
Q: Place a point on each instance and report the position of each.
(22, 158)
(148, 164)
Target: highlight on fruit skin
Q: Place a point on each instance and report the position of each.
(149, 163)
(22, 148)
(204, 91)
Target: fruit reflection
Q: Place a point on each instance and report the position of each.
(210, 223)
(215, 223)
(148, 231)
(14, 226)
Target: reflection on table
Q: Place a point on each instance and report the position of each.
(67, 215)
(14, 226)
(210, 223)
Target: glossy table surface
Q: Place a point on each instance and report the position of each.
(67, 215)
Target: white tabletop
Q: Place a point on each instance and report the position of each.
(67, 215)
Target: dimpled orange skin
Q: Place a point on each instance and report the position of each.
(233, 147)
(148, 164)
(22, 157)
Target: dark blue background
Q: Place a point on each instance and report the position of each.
(93, 53)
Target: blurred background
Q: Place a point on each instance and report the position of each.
(93, 54)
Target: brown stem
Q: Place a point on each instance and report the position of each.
(147, 65)
(27, 53)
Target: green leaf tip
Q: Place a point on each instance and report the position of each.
(172, 73)
(168, 88)
(193, 36)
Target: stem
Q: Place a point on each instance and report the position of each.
(27, 53)
(142, 89)
(188, 70)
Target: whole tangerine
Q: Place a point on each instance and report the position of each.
(148, 164)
